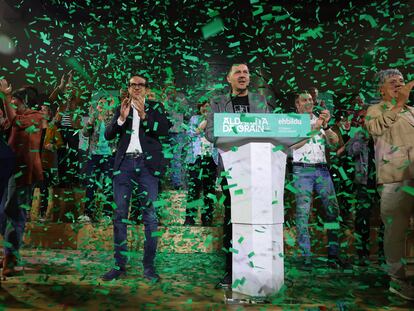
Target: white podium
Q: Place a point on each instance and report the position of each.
(256, 177)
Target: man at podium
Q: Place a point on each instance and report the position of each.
(239, 100)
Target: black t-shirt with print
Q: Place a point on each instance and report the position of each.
(241, 104)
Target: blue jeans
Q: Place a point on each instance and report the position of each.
(133, 172)
(5, 174)
(307, 180)
(13, 214)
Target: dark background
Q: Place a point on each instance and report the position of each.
(335, 45)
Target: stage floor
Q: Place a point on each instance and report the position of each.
(69, 280)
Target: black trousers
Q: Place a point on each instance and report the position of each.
(68, 157)
(6, 172)
(202, 176)
(49, 179)
(227, 226)
(367, 199)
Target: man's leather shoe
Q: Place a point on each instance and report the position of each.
(306, 263)
(334, 262)
(225, 282)
(9, 264)
(189, 221)
(114, 274)
(152, 276)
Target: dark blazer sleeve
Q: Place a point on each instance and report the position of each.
(112, 129)
(156, 123)
(267, 108)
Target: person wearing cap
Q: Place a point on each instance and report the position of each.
(25, 137)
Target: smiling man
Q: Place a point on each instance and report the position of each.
(140, 125)
(391, 123)
(311, 174)
(239, 100)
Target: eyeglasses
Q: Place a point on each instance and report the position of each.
(137, 85)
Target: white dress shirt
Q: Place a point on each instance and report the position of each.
(314, 150)
(134, 144)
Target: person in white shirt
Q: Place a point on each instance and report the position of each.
(141, 126)
(310, 173)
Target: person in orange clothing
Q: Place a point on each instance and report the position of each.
(25, 136)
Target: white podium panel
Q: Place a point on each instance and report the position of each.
(256, 180)
(258, 265)
(253, 158)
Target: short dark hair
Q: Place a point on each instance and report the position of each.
(28, 95)
(297, 95)
(140, 76)
(236, 64)
(201, 104)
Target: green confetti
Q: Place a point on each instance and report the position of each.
(291, 188)
(214, 27)
(68, 35)
(408, 189)
(239, 192)
(190, 57)
(24, 63)
(369, 19)
(246, 118)
(157, 233)
(331, 226)
(233, 250)
(278, 148)
(234, 44)
(343, 174)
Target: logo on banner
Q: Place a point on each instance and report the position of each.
(234, 124)
(290, 121)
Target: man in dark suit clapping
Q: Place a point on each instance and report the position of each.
(139, 124)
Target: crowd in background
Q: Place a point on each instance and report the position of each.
(42, 146)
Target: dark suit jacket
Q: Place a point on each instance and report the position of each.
(152, 132)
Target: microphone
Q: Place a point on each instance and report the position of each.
(319, 108)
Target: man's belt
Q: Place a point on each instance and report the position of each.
(133, 155)
(318, 165)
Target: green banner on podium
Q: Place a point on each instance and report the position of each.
(261, 125)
